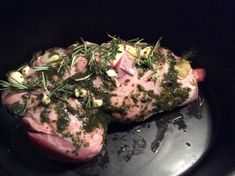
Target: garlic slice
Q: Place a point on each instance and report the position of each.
(25, 70)
(97, 102)
(111, 73)
(80, 92)
(45, 99)
(145, 52)
(183, 68)
(16, 77)
(132, 50)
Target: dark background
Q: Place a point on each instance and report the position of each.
(207, 26)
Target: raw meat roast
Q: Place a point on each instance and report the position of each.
(66, 97)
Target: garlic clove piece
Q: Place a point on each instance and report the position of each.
(15, 77)
(97, 102)
(25, 70)
(80, 92)
(45, 99)
(132, 50)
(111, 73)
(146, 52)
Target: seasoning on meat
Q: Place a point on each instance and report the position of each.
(67, 97)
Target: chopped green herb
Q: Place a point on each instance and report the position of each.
(44, 116)
(59, 77)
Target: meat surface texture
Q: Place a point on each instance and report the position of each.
(65, 98)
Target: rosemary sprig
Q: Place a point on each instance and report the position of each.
(109, 52)
(50, 63)
(84, 43)
(41, 68)
(63, 87)
(113, 37)
(89, 101)
(135, 40)
(61, 66)
(83, 50)
(92, 62)
(64, 65)
(83, 78)
(156, 46)
(69, 89)
(78, 49)
(7, 85)
(73, 61)
(33, 82)
(44, 81)
(56, 89)
(148, 62)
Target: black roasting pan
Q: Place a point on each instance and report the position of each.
(195, 140)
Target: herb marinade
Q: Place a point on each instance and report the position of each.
(57, 93)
